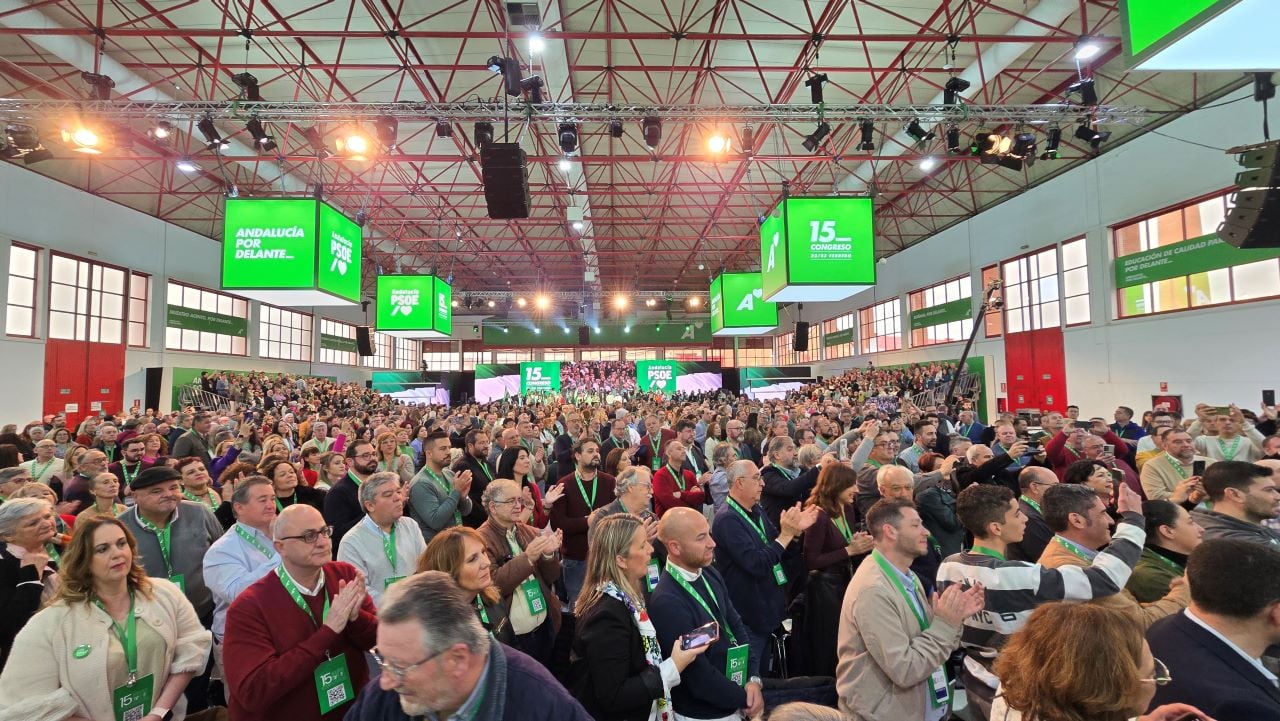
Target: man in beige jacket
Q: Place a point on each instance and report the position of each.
(893, 639)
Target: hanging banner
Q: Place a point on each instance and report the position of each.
(1198, 255)
(938, 314)
(338, 343)
(177, 316)
(414, 306)
(738, 306)
(839, 337)
(818, 249)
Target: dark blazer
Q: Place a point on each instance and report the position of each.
(704, 690)
(479, 481)
(1208, 674)
(973, 432)
(937, 507)
(1034, 540)
(699, 465)
(781, 493)
(342, 509)
(307, 496)
(747, 566)
(608, 671)
(20, 590)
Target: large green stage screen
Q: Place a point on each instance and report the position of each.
(414, 306)
(594, 380)
(738, 306)
(818, 249)
(290, 251)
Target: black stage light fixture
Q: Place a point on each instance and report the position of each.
(918, 133)
(1086, 89)
(35, 156)
(814, 139)
(1051, 144)
(815, 83)
(533, 86)
(953, 139)
(482, 135)
(213, 140)
(510, 71)
(162, 130)
(748, 141)
(951, 91)
(867, 129)
(316, 141)
(1011, 162)
(99, 85)
(444, 129)
(615, 128)
(1024, 145)
(248, 86)
(387, 129)
(651, 129)
(1088, 133)
(260, 137)
(22, 137)
(568, 138)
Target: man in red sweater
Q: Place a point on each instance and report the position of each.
(1067, 446)
(675, 487)
(295, 639)
(585, 489)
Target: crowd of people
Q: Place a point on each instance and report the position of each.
(327, 553)
(599, 378)
(888, 389)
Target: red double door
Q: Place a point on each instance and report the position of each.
(82, 378)
(1036, 370)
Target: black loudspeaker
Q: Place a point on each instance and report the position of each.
(364, 339)
(730, 380)
(506, 180)
(1254, 220)
(584, 335)
(800, 343)
(368, 384)
(151, 396)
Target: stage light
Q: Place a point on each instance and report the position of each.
(626, 329)
(620, 301)
(651, 130)
(1086, 132)
(918, 133)
(454, 303)
(82, 139)
(521, 302)
(566, 165)
(354, 146)
(387, 130)
(536, 44)
(542, 302)
(694, 301)
(1086, 89)
(748, 140)
(259, 133)
(99, 85)
(1086, 48)
(248, 86)
(717, 143)
(867, 129)
(482, 134)
(951, 91)
(953, 139)
(615, 128)
(1051, 145)
(533, 86)
(186, 165)
(162, 130)
(1024, 145)
(928, 163)
(814, 139)
(650, 302)
(568, 138)
(213, 140)
(444, 129)
(565, 328)
(815, 83)
(31, 157)
(510, 71)
(491, 304)
(578, 225)
(316, 141)
(494, 64)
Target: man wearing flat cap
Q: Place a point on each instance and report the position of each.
(173, 536)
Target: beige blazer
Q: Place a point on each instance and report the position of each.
(1159, 477)
(885, 660)
(43, 680)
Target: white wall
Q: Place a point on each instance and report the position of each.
(48, 214)
(1216, 355)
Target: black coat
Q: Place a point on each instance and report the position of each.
(479, 481)
(608, 671)
(1209, 674)
(20, 590)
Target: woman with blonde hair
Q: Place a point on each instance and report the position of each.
(460, 552)
(1081, 662)
(112, 644)
(391, 459)
(617, 671)
(105, 488)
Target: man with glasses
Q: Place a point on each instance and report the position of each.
(295, 640)
(438, 662)
(342, 507)
(735, 428)
(385, 544)
(1032, 483)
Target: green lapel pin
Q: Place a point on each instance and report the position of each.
(81, 651)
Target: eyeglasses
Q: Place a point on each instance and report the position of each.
(515, 502)
(1161, 676)
(888, 444)
(309, 537)
(398, 672)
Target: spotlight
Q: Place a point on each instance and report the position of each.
(454, 302)
(355, 146)
(694, 301)
(748, 141)
(1086, 48)
(482, 135)
(650, 302)
(651, 129)
(615, 128)
(212, 139)
(248, 86)
(867, 129)
(619, 301)
(542, 302)
(521, 302)
(928, 163)
(491, 304)
(533, 86)
(568, 138)
(953, 139)
(316, 141)
(444, 129)
(578, 225)
(510, 71)
(494, 64)
(951, 91)
(918, 133)
(186, 165)
(22, 137)
(162, 130)
(1085, 87)
(566, 165)
(536, 44)
(362, 217)
(1085, 131)
(815, 83)
(537, 331)
(814, 139)
(99, 85)
(82, 140)
(387, 130)
(1024, 145)
(32, 157)
(717, 143)
(1051, 145)
(1012, 162)
(259, 133)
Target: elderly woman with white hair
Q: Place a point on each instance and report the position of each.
(634, 490)
(723, 457)
(28, 565)
(385, 544)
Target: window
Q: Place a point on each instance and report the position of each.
(1075, 282)
(600, 355)
(470, 359)
(880, 327)
(837, 336)
(564, 355)
(408, 354)
(284, 334)
(86, 300)
(512, 356)
(755, 357)
(994, 320)
(782, 349)
(338, 343)
(139, 309)
(635, 354)
(1033, 296)
(439, 355)
(20, 312)
(1248, 281)
(383, 352)
(951, 331)
(205, 321)
(685, 354)
(723, 355)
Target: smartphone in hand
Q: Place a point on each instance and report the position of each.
(340, 443)
(1197, 468)
(700, 636)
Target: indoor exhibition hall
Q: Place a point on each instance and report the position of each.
(639, 360)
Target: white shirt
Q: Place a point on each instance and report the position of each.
(1256, 663)
(231, 565)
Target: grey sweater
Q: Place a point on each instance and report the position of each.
(194, 529)
(1220, 525)
(431, 507)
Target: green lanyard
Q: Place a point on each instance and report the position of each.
(164, 536)
(842, 524)
(197, 499)
(1222, 447)
(389, 547)
(1176, 568)
(786, 473)
(675, 574)
(480, 609)
(1177, 466)
(128, 477)
(111, 454)
(37, 475)
(591, 502)
(52, 550)
(1074, 548)
(128, 635)
(677, 476)
(447, 489)
(252, 540)
(1033, 504)
(484, 468)
(758, 525)
(914, 600)
(990, 552)
(296, 595)
(1017, 462)
(874, 464)
(354, 480)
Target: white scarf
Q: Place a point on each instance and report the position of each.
(649, 639)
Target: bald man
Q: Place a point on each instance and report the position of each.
(692, 593)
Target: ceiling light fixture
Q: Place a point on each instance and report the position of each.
(815, 83)
(482, 134)
(651, 130)
(1087, 132)
(100, 86)
(1051, 144)
(314, 138)
(918, 133)
(1086, 48)
(444, 128)
(521, 302)
(615, 128)
(213, 140)
(951, 91)
(162, 130)
(867, 131)
(186, 165)
(814, 139)
(1086, 89)
(953, 139)
(536, 44)
(619, 301)
(509, 69)
(387, 130)
(248, 87)
(566, 165)
(568, 138)
(261, 139)
(355, 146)
(533, 86)
(83, 140)
(928, 163)
(717, 143)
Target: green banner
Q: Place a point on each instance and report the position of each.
(818, 249)
(656, 376)
(1159, 23)
(539, 377)
(414, 306)
(178, 316)
(291, 250)
(1198, 255)
(338, 343)
(938, 314)
(738, 306)
(338, 251)
(839, 337)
